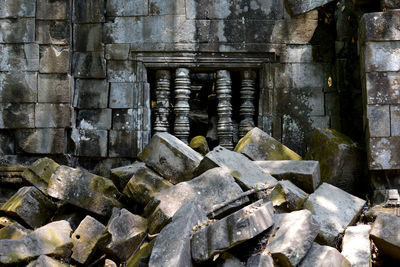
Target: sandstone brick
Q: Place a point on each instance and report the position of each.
(382, 87)
(19, 57)
(17, 116)
(123, 144)
(356, 245)
(122, 95)
(121, 71)
(385, 234)
(89, 65)
(91, 93)
(91, 143)
(380, 26)
(384, 153)
(296, 7)
(52, 32)
(18, 87)
(395, 120)
(6, 143)
(301, 75)
(117, 51)
(88, 11)
(378, 117)
(17, 30)
(40, 141)
(17, 8)
(53, 9)
(118, 8)
(160, 7)
(54, 59)
(126, 119)
(88, 37)
(294, 31)
(52, 115)
(94, 119)
(54, 88)
(390, 4)
(323, 256)
(381, 56)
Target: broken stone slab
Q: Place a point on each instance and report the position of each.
(170, 157)
(334, 210)
(232, 230)
(287, 197)
(13, 231)
(31, 205)
(199, 144)
(245, 171)
(46, 261)
(228, 260)
(142, 256)
(5, 221)
(321, 256)
(258, 145)
(356, 245)
(85, 238)
(292, 237)
(143, 183)
(124, 234)
(172, 245)
(39, 173)
(297, 7)
(386, 236)
(52, 239)
(211, 188)
(110, 263)
(262, 260)
(339, 157)
(303, 173)
(121, 175)
(83, 189)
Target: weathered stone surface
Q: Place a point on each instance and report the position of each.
(292, 237)
(30, 205)
(17, 30)
(51, 239)
(303, 173)
(118, 51)
(110, 263)
(228, 260)
(334, 210)
(54, 88)
(258, 145)
(90, 119)
(384, 153)
(199, 144)
(142, 184)
(18, 57)
(52, 32)
(380, 26)
(320, 256)
(127, 119)
(53, 9)
(381, 56)
(5, 221)
(356, 245)
(378, 118)
(172, 245)
(287, 197)
(395, 120)
(13, 231)
(339, 157)
(390, 4)
(44, 261)
(88, 37)
(142, 256)
(170, 157)
(246, 172)
(54, 59)
(52, 115)
(89, 65)
(7, 146)
(18, 87)
(85, 239)
(17, 116)
(210, 188)
(91, 93)
(382, 87)
(83, 189)
(121, 71)
(298, 30)
(123, 95)
(39, 173)
(297, 7)
(117, 8)
(91, 143)
(232, 230)
(122, 144)
(385, 234)
(301, 76)
(88, 11)
(40, 141)
(262, 260)
(17, 8)
(124, 234)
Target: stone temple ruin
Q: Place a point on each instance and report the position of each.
(162, 95)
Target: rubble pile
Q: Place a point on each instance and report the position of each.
(176, 207)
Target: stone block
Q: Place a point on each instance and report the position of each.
(176, 235)
(301, 76)
(7, 146)
(261, 260)
(123, 144)
(334, 210)
(231, 230)
(382, 87)
(384, 153)
(199, 144)
(121, 71)
(18, 57)
(85, 239)
(298, 30)
(297, 53)
(228, 260)
(170, 157)
(356, 245)
(395, 120)
(17, 116)
(89, 65)
(118, 8)
(40, 141)
(139, 182)
(123, 95)
(324, 256)
(246, 172)
(91, 93)
(142, 256)
(83, 189)
(54, 88)
(17, 8)
(17, 30)
(292, 236)
(30, 205)
(39, 173)
(258, 145)
(286, 197)
(380, 26)
(118, 51)
(13, 231)
(124, 234)
(297, 7)
(91, 143)
(52, 32)
(381, 56)
(44, 260)
(339, 157)
(53, 9)
(390, 4)
(211, 188)
(54, 59)
(90, 119)
(160, 7)
(127, 119)
(303, 173)
(52, 115)
(88, 37)
(378, 117)
(18, 87)
(88, 11)
(52, 239)
(385, 234)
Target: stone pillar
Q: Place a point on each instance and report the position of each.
(163, 78)
(225, 127)
(247, 109)
(182, 108)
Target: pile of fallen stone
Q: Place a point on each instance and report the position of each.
(225, 208)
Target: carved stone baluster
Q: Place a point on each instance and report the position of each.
(182, 108)
(163, 78)
(247, 109)
(225, 128)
